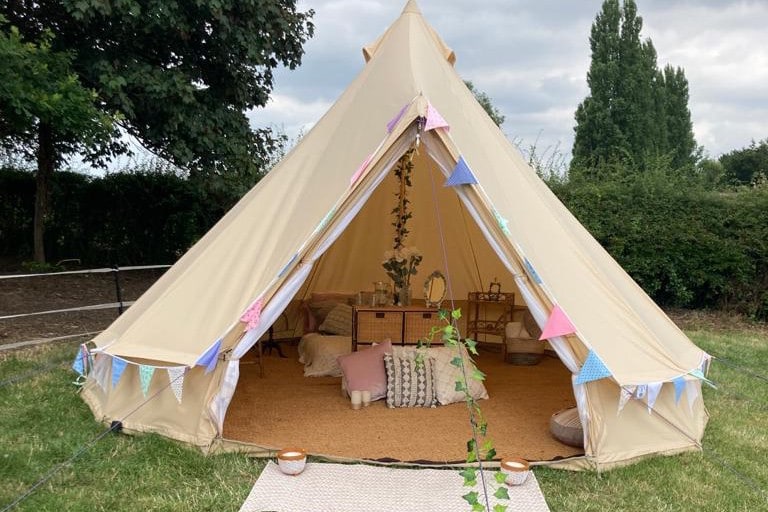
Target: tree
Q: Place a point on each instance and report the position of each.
(747, 166)
(177, 75)
(485, 101)
(635, 113)
(45, 111)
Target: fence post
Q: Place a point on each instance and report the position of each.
(118, 291)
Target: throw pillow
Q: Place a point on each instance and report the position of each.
(409, 383)
(338, 321)
(446, 375)
(364, 370)
(320, 309)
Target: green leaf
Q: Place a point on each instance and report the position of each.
(471, 345)
(470, 476)
(491, 454)
(478, 375)
(460, 386)
(471, 497)
(442, 315)
(478, 507)
(456, 314)
(499, 508)
(500, 477)
(502, 493)
(456, 361)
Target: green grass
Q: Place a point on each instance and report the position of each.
(43, 422)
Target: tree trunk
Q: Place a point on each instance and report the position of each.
(46, 161)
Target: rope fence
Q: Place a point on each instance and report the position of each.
(87, 271)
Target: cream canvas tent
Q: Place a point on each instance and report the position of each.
(324, 211)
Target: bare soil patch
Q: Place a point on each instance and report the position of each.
(53, 292)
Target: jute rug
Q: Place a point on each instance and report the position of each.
(284, 408)
(353, 488)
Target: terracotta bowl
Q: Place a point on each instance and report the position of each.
(516, 470)
(292, 461)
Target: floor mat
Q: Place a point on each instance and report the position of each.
(355, 487)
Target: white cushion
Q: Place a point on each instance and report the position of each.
(446, 375)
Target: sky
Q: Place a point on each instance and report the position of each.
(532, 57)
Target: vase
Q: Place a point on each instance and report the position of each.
(403, 296)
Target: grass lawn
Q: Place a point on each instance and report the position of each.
(43, 422)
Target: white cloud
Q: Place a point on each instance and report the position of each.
(532, 60)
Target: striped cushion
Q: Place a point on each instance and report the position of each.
(410, 383)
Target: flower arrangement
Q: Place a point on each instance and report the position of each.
(401, 264)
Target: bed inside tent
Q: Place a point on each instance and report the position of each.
(275, 405)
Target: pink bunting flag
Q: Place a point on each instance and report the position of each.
(359, 171)
(558, 325)
(434, 119)
(252, 315)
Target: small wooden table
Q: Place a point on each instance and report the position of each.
(401, 325)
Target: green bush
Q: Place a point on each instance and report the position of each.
(685, 245)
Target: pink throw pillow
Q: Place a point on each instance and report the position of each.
(364, 370)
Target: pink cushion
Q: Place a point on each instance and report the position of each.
(364, 370)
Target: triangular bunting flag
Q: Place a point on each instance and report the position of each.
(359, 171)
(558, 324)
(679, 383)
(118, 367)
(391, 124)
(100, 372)
(208, 359)
(692, 392)
(641, 391)
(176, 377)
(434, 119)
(624, 396)
(79, 363)
(654, 388)
(252, 315)
(461, 175)
(532, 271)
(145, 377)
(700, 375)
(593, 369)
(502, 222)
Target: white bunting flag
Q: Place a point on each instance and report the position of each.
(654, 388)
(624, 396)
(692, 392)
(101, 367)
(176, 376)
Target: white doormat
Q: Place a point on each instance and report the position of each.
(354, 488)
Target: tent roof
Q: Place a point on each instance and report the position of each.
(253, 247)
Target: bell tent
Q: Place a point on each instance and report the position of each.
(320, 220)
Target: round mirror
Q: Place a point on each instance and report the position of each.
(434, 289)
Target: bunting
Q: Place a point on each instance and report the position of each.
(625, 394)
(176, 378)
(654, 388)
(641, 391)
(145, 377)
(100, 371)
(434, 119)
(79, 363)
(502, 222)
(593, 369)
(532, 271)
(118, 367)
(359, 171)
(679, 383)
(691, 392)
(252, 315)
(558, 324)
(393, 122)
(461, 175)
(209, 357)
